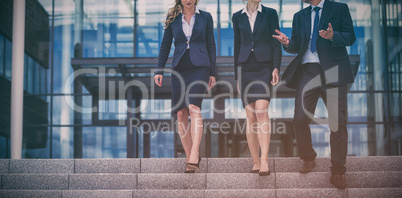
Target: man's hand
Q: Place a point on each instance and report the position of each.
(327, 34)
(281, 37)
(158, 79)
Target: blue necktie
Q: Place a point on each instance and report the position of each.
(313, 46)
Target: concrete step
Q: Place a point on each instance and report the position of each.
(177, 165)
(378, 179)
(102, 181)
(209, 193)
(219, 177)
(101, 193)
(234, 165)
(30, 193)
(374, 163)
(375, 192)
(150, 193)
(240, 181)
(34, 181)
(108, 181)
(171, 181)
(169, 165)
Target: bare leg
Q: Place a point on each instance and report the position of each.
(252, 139)
(184, 132)
(196, 132)
(264, 134)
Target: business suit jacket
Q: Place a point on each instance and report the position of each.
(202, 43)
(330, 53)
(266, 48)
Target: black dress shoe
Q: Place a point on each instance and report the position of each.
(338, 181)
(307, 166)
(255, 171)
(265, 173)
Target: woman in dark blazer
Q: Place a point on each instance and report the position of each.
(257, 58)
(193, 73)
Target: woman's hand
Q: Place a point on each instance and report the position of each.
(211, 83)
(238, 90)
(275, 77)
(158, 79)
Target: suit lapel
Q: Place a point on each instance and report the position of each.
(257, 21)
(246, 23)
(197, 17)
(179, 25)
(325, 12)
(307, 24)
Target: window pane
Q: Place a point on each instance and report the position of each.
(36, 82)
(62, 113)
(207, 109)
(108, 28)
(8, 56)
(2, 54)
(63, 142)
(36, 142)
(156, 109)
(162, 144)
(234, 109)
(4, 147)
(104, 142)
(30, 75)
(64, 41)
(151, 15)
(112, 109)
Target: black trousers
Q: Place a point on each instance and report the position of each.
(312, 85)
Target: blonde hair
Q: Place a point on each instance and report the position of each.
(174, 11)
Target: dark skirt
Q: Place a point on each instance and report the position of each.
(191, 74)
(255, 80)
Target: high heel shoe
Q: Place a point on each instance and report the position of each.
(189, 171)
(255, 171)
(264, 173)
(193, 167)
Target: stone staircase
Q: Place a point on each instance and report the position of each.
(218, 177)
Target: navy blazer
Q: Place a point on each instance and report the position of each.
(202, 43)
(266, 48)
(330, 53)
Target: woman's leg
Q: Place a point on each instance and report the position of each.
(184, 131)
(264, 134)
(251, 134)
(196, 132)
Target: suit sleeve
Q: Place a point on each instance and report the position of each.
(211, 47)
(294, 41)
(236, 33)
(277, 47)
(346, 35)
(165, 49)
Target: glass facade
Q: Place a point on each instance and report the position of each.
(108, 29)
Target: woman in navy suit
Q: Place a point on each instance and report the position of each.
(258, 57)
(193, 64)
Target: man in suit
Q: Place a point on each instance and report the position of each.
(322, 67)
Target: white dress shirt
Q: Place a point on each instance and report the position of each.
(253, 16)
(188, 28)
(310, 57)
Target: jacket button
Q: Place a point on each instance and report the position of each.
(252, 42)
